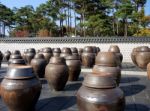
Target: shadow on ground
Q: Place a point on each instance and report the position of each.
(72, 87)
(136, 107)
(56, 103)
(130, 90)
(129, 79)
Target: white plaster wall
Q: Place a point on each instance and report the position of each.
(125, 48)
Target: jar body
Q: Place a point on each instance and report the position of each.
(74, 69)
(91, 99)
(57, 76)
(20, 95)
(88, 59)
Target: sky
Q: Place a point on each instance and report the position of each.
(35, 3)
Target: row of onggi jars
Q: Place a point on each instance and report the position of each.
(20, 88)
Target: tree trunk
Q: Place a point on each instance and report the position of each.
(125, 28)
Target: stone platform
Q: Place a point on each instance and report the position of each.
(134, 83)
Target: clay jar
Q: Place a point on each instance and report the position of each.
(116, 50)
(56, 52)
(56, 73)
(74, 51)
(142, 59)
(100, 94)
(30, 55)
(136, 50)
(74, 65)
(88, 57)
(14, 56)
(39, 64)
(7, 55)
(20, 89)
(65, 52)
(47, 52)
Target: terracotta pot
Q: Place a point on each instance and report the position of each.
(47, 52)
(106, 71)
(106, 59)
(39, 64)
(148, 70)
(74, 65)
(7, 55)
(20, 89)
(142, 59)
(88, 57)
(1, 56)
(65, 52)
(56, 73)
(16, 62)
(100, 94)
(56, 52)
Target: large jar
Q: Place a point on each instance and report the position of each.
(88, 57)
(56, 52)
(7, 55)
(56, 73)
(142, 59)
(39, 64)
(30, 55)
(100, 94)
(74, 51)
(116, 50)
(65, 52)
(20, 89)
(74, 65)
(47, 52)
(136, 50)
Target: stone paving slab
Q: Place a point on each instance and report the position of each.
(134, 83)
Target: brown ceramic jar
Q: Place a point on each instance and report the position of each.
(20, 89)
(106, 71)
(136, 50)
(7, 55)
(74, 51)
(142, 59)
(74, 65)
(56, 52)
(88, 57)
(65, 52)
(28, 57)
(106, 59)
(56, 73)
(116, 50)
(16, 52)
(47, 52)
(39, 64)
(100, 94)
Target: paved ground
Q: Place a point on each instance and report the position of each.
(134, 83)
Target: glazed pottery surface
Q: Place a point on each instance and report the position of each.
(17, 62)
(100, 94)
(1, 56)
(114, 48)
(20, 89)
(74, 65)
(106, 71)
(39, 64)
(142, 59)
(56, 73)
(148, 70)
(29, 57)
(7, 55)
(106, 59)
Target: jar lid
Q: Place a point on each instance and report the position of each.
(19, 72)
(17, 61)
(97, 81)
